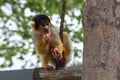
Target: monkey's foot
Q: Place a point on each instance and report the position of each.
(48, 67)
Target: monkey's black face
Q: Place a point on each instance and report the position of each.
(42, 23)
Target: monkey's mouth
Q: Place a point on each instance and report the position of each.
(47, 33)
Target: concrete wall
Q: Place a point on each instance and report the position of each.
(16, 74)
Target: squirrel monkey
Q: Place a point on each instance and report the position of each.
(47, 42)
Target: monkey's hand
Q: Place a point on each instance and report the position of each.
(56, 54)
(47, 37)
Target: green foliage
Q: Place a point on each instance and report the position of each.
(15, 35)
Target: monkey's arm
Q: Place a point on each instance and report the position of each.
(57, 51)
(56, 44)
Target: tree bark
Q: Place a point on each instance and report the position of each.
(101, 54)
(73, 73)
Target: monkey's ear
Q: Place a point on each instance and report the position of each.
(32, 24)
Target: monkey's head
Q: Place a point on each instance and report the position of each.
(40, 22)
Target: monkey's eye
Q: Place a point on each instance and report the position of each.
(47, 23)
(43, 25)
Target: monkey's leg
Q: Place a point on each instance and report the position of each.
(42, 49)
(44, 59)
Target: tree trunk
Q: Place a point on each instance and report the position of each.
(101, 55)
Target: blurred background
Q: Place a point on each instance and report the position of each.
(16, 46)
